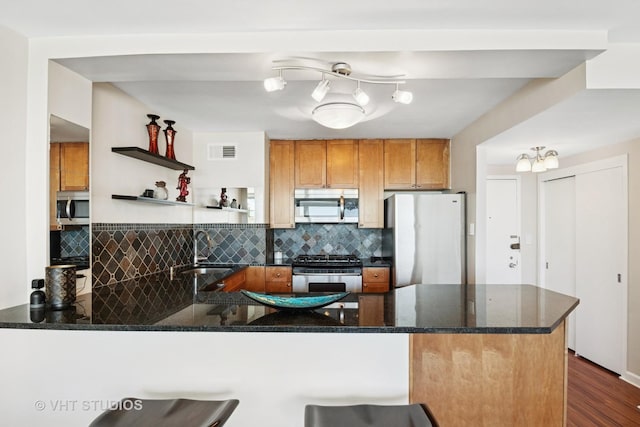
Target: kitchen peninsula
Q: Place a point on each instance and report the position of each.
(476, 355)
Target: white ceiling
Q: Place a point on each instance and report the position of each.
(452, 87)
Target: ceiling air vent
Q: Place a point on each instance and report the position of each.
(221, 152)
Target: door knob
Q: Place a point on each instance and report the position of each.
(512, 265)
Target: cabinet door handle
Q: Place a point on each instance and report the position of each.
(375, 275)
(277, 274)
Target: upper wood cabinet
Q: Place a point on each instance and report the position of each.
(432, 164)
(74, 166)
(281, 184)
(68, 171)
(342, 163)
(370, 189)
(421, 164)
(326, 164)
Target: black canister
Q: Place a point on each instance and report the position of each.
(37, 298)
(60, 286)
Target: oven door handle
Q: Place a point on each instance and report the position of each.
(341, 207)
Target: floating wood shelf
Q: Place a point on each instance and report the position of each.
(149, 200)
(156, 159)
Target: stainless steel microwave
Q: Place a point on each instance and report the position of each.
(72, 208)
(326, 205)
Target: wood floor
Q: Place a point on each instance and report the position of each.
(597, 397)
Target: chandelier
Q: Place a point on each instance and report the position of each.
(344, 114)
(537, 162)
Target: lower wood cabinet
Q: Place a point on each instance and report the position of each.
(235, 282)
(254, 278)
(277, 279)
(370, 310)
(375, 279)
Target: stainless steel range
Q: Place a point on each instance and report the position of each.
(327, 273)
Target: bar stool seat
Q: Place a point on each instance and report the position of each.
(414, 415)
(166, 413)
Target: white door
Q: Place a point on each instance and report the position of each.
(503, 232)
(601, 242)
(559, 231)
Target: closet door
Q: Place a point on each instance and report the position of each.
(601, 266)
(559, 224)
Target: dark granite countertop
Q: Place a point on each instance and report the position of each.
(366, 262)
(163, 302)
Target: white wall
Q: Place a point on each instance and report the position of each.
(272, 374)
(119, 121)
(15, 285)
(248, 169)
(69, 95)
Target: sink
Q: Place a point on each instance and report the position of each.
(205, 270)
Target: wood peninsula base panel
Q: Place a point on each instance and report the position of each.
(491, 379)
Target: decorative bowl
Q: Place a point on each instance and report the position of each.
(304, 303)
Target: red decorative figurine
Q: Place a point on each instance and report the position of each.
(183, 181)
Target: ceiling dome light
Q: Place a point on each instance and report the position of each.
(540, 163)
(338, 115)
(402, 96)
(321, 90)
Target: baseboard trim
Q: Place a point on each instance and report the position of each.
(631, 378)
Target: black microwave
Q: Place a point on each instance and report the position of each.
(72, 208)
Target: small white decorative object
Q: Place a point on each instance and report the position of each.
(161, 191)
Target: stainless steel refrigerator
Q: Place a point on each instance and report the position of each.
(424, 236)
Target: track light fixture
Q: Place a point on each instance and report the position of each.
(339, 115)
(402, 96)
(360, 96)
(274, 83)
(321, 90)
(540, 162)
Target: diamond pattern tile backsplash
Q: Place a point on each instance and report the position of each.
(123, 252)
(335, 239)
(233, 243)
(74, 242)
(128, 251)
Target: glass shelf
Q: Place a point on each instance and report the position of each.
(228, 209)
(156, 159)
(149, 200)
